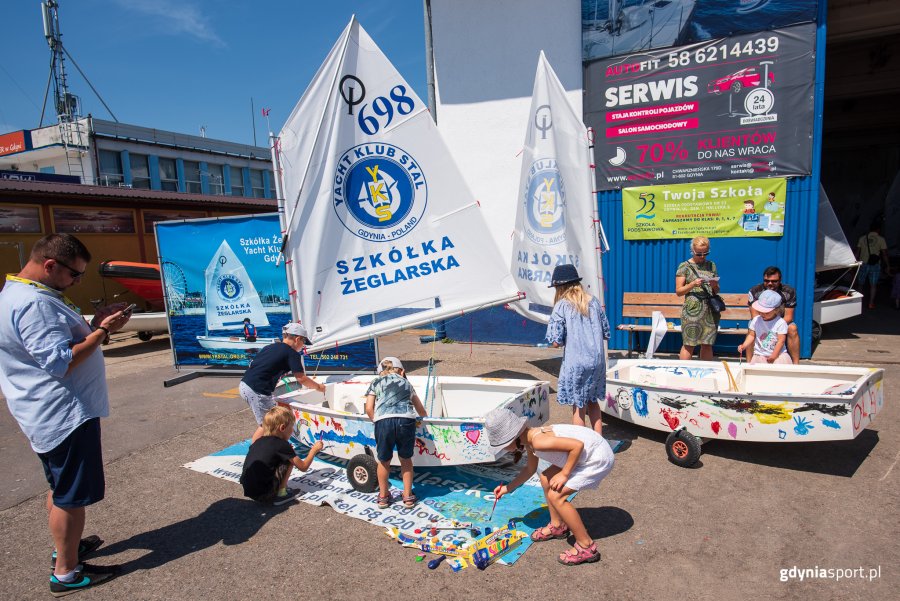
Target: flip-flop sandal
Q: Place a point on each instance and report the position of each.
(581, 555)
(410, 501)
(384, 502)
(561, 531)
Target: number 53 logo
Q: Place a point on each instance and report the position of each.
(648, 206)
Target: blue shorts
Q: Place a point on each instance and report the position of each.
(870, 273)
(74, 469)
(393, 432)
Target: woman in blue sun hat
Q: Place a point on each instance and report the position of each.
(579, 323)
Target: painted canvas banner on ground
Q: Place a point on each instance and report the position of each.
(218, 271)
(450, 493)
(732, 108)
(734, 209)
(556, 217)
(382, 232)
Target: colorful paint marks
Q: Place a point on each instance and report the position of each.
(802, 426)
(639, 396)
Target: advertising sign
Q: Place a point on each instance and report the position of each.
(616, 27)
(731, 209)
(220, 274)
(13, 142)
(731, 108)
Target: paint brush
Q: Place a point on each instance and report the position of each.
(493, 508)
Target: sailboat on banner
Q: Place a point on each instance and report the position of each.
(382, 234)
(556, 215)
(231, 297)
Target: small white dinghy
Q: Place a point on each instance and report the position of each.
(381, 233)
(452, 434)
(703, 400)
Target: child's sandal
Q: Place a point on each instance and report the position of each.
(552, 532)
(578, 554)
(410, 501)
(384, 501)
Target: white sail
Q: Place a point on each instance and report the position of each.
(555, 218)
(230, 294)
(832, 249)
(382, 232)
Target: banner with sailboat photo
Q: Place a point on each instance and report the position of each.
(616, 27)
(227, 293)
(382, 232)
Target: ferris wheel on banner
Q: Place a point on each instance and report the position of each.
(174, 286)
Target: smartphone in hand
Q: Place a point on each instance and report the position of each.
(130, 308)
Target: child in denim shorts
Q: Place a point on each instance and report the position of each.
(393, 405)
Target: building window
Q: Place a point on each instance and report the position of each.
(111, 168)
(256, 183)
(140, 171)
(192, 177)
(237, 181)
(269, 176)
(168, 175)
(216, 179)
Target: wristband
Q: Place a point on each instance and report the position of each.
(104, 328)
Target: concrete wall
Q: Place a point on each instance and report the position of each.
(486, 55)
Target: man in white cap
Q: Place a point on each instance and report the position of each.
(271, 363)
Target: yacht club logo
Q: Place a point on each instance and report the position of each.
(379, 191)
(229, 287)
(545, 204)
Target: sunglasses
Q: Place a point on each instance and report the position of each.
(771, 281)
(73, 272)
(699, 254)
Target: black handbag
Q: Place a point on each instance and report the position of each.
(873, 259)
(716, 302)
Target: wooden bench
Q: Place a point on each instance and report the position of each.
(641, 305)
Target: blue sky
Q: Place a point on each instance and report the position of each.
(181, 64)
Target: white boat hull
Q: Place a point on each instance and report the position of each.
(232, 343)
(154, 323)
(772, 403)
(452, 435)
(836, 309)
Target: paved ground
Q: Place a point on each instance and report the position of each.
(722, 531)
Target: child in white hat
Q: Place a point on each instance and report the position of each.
(579, 458)
(765, 341)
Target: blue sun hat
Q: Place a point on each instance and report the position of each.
(564, 274)
(767, 301)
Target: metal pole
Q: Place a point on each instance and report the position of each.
(253, 119)
(429, 61)
(440, 327)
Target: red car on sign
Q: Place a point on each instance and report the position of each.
(737, 81)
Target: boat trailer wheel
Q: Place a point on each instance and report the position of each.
(683, 448)
(362, 471)
(145, 336)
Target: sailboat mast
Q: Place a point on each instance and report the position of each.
(600, 241)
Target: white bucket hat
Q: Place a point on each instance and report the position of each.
(502, 426)
(395, 362)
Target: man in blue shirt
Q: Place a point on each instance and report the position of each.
(54, 381)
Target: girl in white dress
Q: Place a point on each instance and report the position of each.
(579, 458)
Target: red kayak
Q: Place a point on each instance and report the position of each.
(141, 278)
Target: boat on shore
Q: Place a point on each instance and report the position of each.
(451, 434)
(382, 234)
(696, 401)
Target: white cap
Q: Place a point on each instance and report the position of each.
(295, 329)
(395, 362)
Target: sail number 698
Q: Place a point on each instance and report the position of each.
(383, 108)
